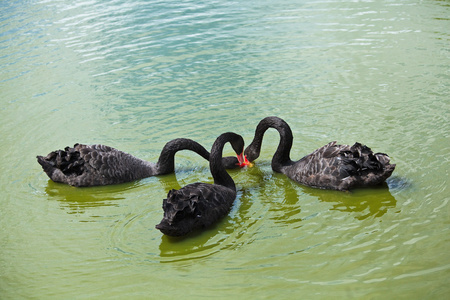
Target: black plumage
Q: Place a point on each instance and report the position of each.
(93, 165)
(199, 205)
(333, 166)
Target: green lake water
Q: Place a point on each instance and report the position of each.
(135, 74)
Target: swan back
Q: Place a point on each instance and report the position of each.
(194, 206)
(341, 167)
(92, 165)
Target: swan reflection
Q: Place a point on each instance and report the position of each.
(78, 200)
(362, 203)
(284, 197)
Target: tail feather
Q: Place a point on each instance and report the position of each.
(361, 162)
(62, 163)
(47, 165)
(51, 170)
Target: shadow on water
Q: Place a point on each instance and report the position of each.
(77, 200)
(285, 198)
(198, 244)
(282, 194)
(363, 203)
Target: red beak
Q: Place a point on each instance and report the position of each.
(243, 161)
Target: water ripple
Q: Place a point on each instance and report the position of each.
(129, 233)
(134, 75)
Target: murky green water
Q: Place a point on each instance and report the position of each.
(134, 75)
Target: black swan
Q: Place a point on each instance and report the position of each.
(93, 165)
(336, 167)
(198, 205)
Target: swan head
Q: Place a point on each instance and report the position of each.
(237, 143)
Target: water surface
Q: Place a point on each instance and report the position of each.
(135, 74)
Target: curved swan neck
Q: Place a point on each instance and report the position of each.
(218, 171)
(166, 161)
(282, 154)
